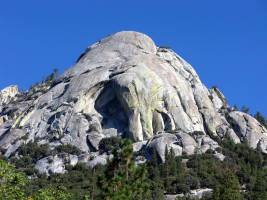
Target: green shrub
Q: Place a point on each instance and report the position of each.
(34, 151)
(108, 144)
(198, 133)
(244, 109)
(68, 148)
(23, 162)
(31, 171)
(12, 182)
(261, 119)
(53, 193)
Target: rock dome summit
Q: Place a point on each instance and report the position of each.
(125, 86)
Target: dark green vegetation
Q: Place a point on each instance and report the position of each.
(261, 119)
(14, 186)
(240, 176)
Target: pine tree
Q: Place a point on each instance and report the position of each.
(244, 109)
(260, 188)
(261, 119)
(122, 179)
(228, 189)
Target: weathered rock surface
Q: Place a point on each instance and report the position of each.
(125, 86)
(165, 141)
(248, 128)
(196, 194)
(188, 143)
(199, 193)
(56, 164)
(93, 159)
(8, 93)
(181, 142)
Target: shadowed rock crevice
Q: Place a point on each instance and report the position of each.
(111, 112)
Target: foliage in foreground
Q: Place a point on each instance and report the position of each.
(14, 186)
(12, 183)
(242, 175)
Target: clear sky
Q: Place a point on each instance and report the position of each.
(225, 41)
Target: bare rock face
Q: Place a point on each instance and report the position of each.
(125, 86)
(248, 128)
(6, 96)
(8, 93)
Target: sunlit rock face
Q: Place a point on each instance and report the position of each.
(8, 93)
(126, 86)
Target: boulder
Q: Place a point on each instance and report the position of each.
(187, 142)
(248, 128)
(199, 193)
(195, 194)
(164, 141)
(138, 146)
(207, 143)
(56, 163)
(98, 160)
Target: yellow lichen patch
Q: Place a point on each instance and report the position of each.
(1, 120)
(144, 94)
(85, 104)
(86, 101)
(22, 119)
(26, 118)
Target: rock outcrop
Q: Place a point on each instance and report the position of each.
(56, 164)
(8, 93)
(125, 86)
(194, 194)
(249, 130)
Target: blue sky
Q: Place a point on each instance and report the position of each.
(225, 41)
